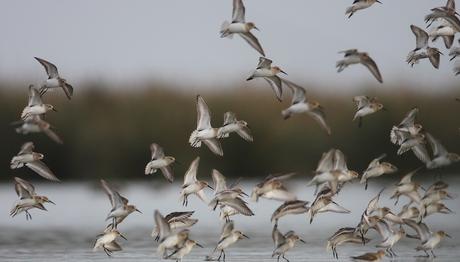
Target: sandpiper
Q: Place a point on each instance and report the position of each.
(359, 5)
(428, 239)
(268, 72)
(324, 203)
(436, 208)
(409, 212)
(204, 132)
(176, 221)
(54, 80)
(184, 250)
(376, 169)
(272, 188)
(283, 242)
(231, 124)
(441, 157)
(120, 208)
(35, 124)
(353, 56)
(160, 161)
(366, 106)
(300, 105)
(241, 27)
(107, 241)
(294, 207)
(393, 236)
(228, 237)
(169, 240)
(343, 236)
(192, 185)
(407, 187)
(27, 157)
(370, 257)
(35, 105)
(28, 199)
(421, 42)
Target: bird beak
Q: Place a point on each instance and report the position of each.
(378, 1)
(210, 187)
(138, 211)
(255, 27)
(447, 235)
(123, 237)
(54, 109)
(449, 196)
(283, 72)
(199, 245)
(303, 241)
(448, 210)
(49, 201)
(245, 236)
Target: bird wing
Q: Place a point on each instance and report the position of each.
(219, 181)
(253, 41)
(68, 90)
(421, 37)
(319, 116)
(376, 161)
(34, 97)
(40, 168)
(238, 11)
(50, 68)
(157, 151)
(168, 173)
(421, 153)
(361, 101)
(178, 216)
(245, 133)
(434, 56)
(190, 175)
(409, 119)
(326, 163)
(276, 85)
(421, 228)
(340, 162)
(214, 145)
(436, 146)
(24, 189)
(372, 66)
(203, 114)
(26, 148)
(408, 177)
(161, 224)
(229, 118)
(52, 135)
(450, 4)
(278, 238)
(227, 229)
(264, 63)
(238, 204)
(298, 92)
(116, 200)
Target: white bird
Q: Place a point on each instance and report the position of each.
(428, 239)
(441, 157)
(169, 240)
(186, 248)
(294, 207)
(268, 72)
(176, 221)
(28, 199)
(272, 187)
(54, 80)
(343, 236)
(107, 241)
(283, 242)
(160, 161)
(353, 56)
(27, 157)
(366, 106)
(35, 124)
(204, 132)
(35, 105)
(359, 5)
(377, 168)
(240, 27)
(421, 43)
(228, 237)
(231, 124)
(300, 105)
(192, 185)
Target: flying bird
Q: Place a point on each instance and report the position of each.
(353, 56)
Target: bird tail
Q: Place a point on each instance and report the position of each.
(286, 114)
(224, 32)
(328, 246)
(350, 11)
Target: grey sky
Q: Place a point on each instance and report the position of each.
(179, 41)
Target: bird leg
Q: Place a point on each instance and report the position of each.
(287, 260)
(433, 253)
(108, 252)
(278, 259)
(28, 215)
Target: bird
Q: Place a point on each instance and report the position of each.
(421, 42)
(366, 106)
(184, 250)
(193, 186)
(342, 236)
(160, 161)
(272, 187)
(428, 239)
(28, 199)
(176, 221)
(300, 105)
(371, 256)
(120, 207)
(353, 56)
(35, 124)
(409, 212)
(169, 240)
(27, 157)
(54, 80)
(284, 242)
(240, 27)
(376, 169)
(441, 157)
(393, 237)
(359, 5)
(228, 237)
(204, 132)
(407, 127)
(107, 241)
(294, 207)
(231, 124)
(323, 203)
(270, 73)
(35, 105)
(407, 187)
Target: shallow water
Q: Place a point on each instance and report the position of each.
(67, 231)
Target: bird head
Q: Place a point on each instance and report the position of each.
(251, 26)
(277, 70)
(132, 208)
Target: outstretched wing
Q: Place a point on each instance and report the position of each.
(203, 114)
(238, 11)
(50, 68)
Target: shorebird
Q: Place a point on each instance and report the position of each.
(407, 188)
(34, 124)
(409, 213)
(179, 253)
(28, 199)
(441, 157)
(169, 240)
(324, 203)
(376, 169)
(192, 185)
(228, 237)
(176, 221)
(120, 208)
(359, 5)
(272, 188)
(435, 197)
(436, 186)
(27, 157)
(268, 72)
(366, 106)
(393, 236)
(240, 27)
(428, 239)
(406, 128)
(436, 208)
(343, 236)
(353, 56)
(54, 80)
(421, 43)
(283, 242)
(204, 131)
(370, 257)
(35, 105)
(107, 241)
(160, 161)
(300, 105)
(231, 124)
(294, 207)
